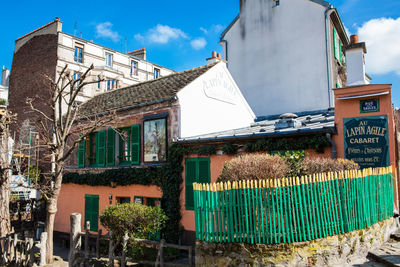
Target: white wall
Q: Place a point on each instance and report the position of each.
(277, 56)
(213, 103)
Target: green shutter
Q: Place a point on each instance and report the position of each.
(335, 44)
(204, 170)
(92, 212)
(135, 144)
(81, 154)
(190, 178)
(340, 52)
(110, 147)
(101, 148)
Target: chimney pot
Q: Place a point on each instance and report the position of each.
(214, 54)
(219, 56)
(354, 39)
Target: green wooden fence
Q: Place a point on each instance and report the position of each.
(293, 209)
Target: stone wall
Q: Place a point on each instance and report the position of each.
(338, 250)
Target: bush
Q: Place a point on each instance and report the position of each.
(138, 220)
(254, 167)
(318, 165)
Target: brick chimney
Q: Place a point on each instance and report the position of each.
(138, 53)
(214, 58)
(5, 75)
(355, 62)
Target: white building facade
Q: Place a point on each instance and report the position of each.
(286, 56)
(115, 69)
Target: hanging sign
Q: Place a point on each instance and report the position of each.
(370, 105)
(366, 141)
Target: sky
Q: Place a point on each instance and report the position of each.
(181, 34)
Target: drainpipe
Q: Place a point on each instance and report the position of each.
(226, 50)
(333, 151)
(328, 13)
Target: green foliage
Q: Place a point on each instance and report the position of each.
(294, 159)
(317, 142)
(3, 102)
(206, 150)
(230, 149)
(168, 177)
(137, 220)
(34, 173)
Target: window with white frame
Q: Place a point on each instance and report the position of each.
(112, 84)
(109, 59)
(78, 54)
(77, 76)
(134, 67)
(156, 73)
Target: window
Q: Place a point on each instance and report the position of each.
(197, 170)
(156, 73)
(337, 44)
(97, 149)
(129, 145)
(98, 83)
(112, 84)
(155, 140)
(78, 55)
(134, 68)
(100, 147)
(122, 200)
(109, 59)
(77, 76)
(92, 212)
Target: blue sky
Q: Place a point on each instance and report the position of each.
(180, 34)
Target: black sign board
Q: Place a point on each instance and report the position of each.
(366, 141)
(369, 105)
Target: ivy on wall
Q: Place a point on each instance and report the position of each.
(169, 176)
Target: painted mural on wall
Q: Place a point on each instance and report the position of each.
(366, 141)
(155, 140)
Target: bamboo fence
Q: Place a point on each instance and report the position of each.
(295, 209)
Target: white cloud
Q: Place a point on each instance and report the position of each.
(161, 34)
(104, 30)
(198, 43)
(382, 37)
(214, 29)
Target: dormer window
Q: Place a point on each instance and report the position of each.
(156, 73)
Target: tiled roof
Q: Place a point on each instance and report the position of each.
(145, 93)
(321, 122)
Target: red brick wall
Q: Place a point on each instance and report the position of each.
(33, 71)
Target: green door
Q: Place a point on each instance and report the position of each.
(92, 212)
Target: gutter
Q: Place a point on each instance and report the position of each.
(333, 150)
(328, 12)
(327, 130)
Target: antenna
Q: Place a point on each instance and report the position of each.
(75, 26)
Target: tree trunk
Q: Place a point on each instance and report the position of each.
(52, 208)
(5, 224)
(51, 214)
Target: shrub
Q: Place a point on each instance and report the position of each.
(254, 167)
(317, 165)
(138, 220)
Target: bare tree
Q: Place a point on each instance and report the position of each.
(5, 162)
(60, 130)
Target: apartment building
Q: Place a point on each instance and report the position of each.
(41, 55)
(4, 86)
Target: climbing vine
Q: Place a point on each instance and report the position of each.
(168, 177)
